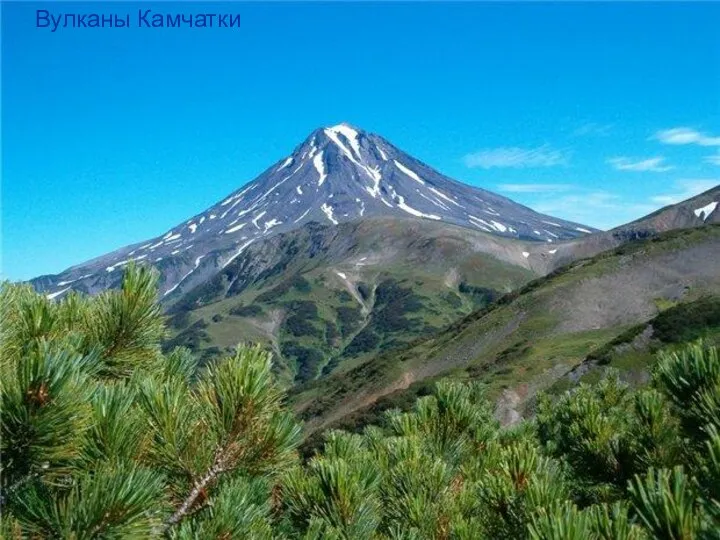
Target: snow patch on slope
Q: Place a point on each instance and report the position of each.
(443, 196)
(410, 210)
(373, 173)
(197, 263)
(329, 213)
(56, 294)
(408, 172)
(320, 167)
(304, 214)
(272, 223)
(706, 210)
(237, 253)
(285, 163)
(256, 218)
(235, 228)
(498, 226)
(350, 135)
(481, 223)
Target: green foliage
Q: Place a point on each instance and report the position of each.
(691, 379)
(307, 360)
(105, 436)
(665, 502)
(365, 341)
(564, 522)
(687, 321)
(112, 501)
(364, 290)
(338, 493)
(191, 338)
(590, 430)
(481, 296)
(205, 293)
(393, 303)
(252, 310)
(614, 523)
(296, 282)
(678, 324)
(453, 299)
(349, 319)
(299, 322)
(241, 509)
(45, 404)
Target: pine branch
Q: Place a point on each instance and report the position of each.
(198, 489)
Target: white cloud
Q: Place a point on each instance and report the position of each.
(518, 158)
(686, 135)
(600, 209)
(593, 129)
(654, 164)
(534, 188)
(685, 189)
(713, 160)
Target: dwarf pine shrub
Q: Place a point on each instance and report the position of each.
(106, 436)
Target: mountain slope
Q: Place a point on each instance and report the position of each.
(703, 209)
(326, 298)
(338, 174)
(531, 338)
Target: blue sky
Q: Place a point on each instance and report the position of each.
(598, 113)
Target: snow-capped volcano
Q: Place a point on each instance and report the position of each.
(341, 173)
(337, 174)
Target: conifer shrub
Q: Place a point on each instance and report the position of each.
(104, 435)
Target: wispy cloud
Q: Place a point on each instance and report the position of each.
(593, 129)
(599, 208)
(685, 189)
(654, 164)
(518, 158)
(604, 209)
(686, 135)
(534, 188)
(714, 159)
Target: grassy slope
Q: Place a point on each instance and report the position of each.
(530, 339)
(324, 309)
(634, 351)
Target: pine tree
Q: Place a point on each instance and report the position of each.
(104, 436)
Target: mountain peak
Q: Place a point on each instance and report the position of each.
(344, 136)
(338, 174)
(344, 126)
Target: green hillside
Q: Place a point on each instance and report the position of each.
(326, 300)
(530, 338)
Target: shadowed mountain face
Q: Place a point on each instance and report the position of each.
(338, 174)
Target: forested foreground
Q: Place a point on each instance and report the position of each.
(103, 436)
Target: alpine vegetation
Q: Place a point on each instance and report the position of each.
(104, 436)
